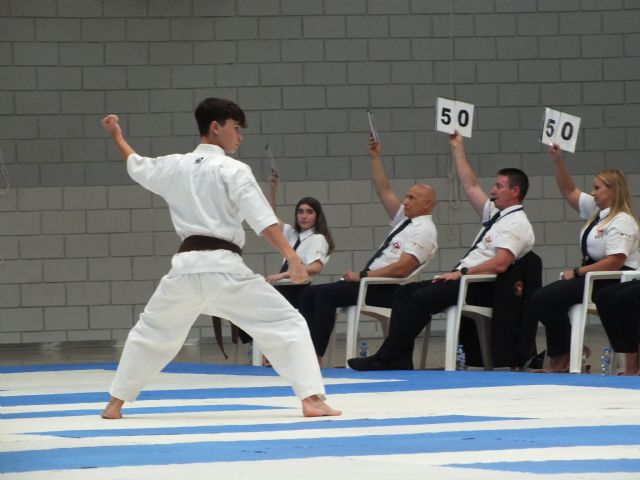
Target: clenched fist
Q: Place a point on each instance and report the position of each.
(111, 125)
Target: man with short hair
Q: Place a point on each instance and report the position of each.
(411, 242)
(505, 237)
(209, 195)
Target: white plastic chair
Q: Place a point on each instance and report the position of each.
(381, 314)
(481, 316)
(629, 275)
(579, 313)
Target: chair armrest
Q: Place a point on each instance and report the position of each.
(481, 277)
(629, 275)
(465, 280)
(591, 277)
(377, 280)
(604, 275)
(287, 281)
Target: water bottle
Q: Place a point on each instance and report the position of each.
(364, 350)
(461, 358)
(605, 361)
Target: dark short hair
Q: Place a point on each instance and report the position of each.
(517, 178)
(217, 110)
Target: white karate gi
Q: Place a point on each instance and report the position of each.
(211, 194)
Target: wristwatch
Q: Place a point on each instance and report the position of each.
(364, 273)
(576, 272)
(464, 270)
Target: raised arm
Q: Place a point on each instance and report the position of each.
(389, 200)
(565, 182)
(111, 125)
(467, 176)
(274, 181)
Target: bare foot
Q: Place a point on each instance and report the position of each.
(314, 406)
(113, 409)
(631, 364)
(559, 364)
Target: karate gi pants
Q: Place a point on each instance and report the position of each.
(253, 304)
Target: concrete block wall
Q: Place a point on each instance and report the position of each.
(82, 248)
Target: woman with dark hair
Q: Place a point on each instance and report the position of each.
(310, 238)
(609, 241)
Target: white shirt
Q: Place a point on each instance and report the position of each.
(511, 231)
(619, 234)
(419, 238)
(209, 194)
(313, 246)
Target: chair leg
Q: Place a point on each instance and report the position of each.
(483, 326)
(425, 346)
(578, 318)
(352, 332)
(451, 338)
(256, 359)
(327, 360)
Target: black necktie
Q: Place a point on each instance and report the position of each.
(586, 259)
(285, 265)
(487, 225)
(386, 243)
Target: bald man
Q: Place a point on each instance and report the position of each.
(506, 235)
(412, 241)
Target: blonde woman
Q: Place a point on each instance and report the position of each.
(608, 241)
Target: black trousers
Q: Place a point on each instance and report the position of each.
(292, 293)
(318, 304)
(551, 304)
(413, 306)
(619, 310)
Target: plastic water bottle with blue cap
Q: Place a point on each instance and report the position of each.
(461, 358)
(606, 360)
(364, 349)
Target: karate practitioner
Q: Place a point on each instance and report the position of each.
(209, 195)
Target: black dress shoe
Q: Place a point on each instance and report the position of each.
(375, 363)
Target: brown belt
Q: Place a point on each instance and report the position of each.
(202, 242)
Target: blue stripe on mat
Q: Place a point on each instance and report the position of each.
(276, 427)
(618, 465)
(197, 393)
(399, 382)
(253, 450)
(419, 379)
(138, 411)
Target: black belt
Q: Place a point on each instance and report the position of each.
(202, 242)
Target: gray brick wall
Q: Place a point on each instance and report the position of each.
(82, 247)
